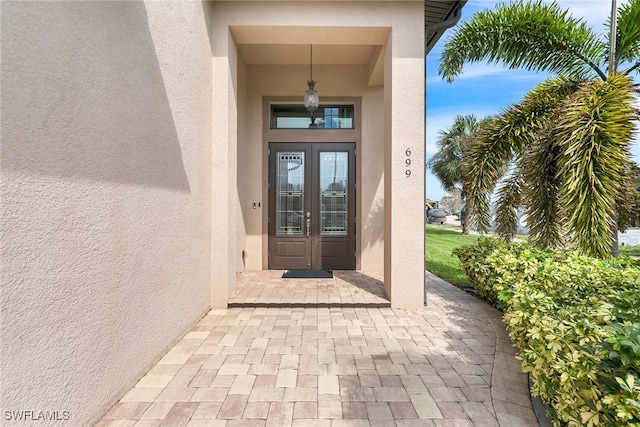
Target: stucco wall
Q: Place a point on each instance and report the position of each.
(404, 140)
(106, 196)
(371, 214)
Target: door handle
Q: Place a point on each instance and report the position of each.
(308, 224)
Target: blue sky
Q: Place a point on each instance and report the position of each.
(485, 89)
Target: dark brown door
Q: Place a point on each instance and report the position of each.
(312, 206)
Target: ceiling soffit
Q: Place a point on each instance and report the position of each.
(289, 45)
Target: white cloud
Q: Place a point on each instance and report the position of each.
(594, 12)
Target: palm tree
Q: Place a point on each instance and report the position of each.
(635, 211)
(567, 142)
(447, 163)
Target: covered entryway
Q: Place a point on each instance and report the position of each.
(312, 206)
(365, 59)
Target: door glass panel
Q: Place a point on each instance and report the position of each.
(334, 170)
(297, 117)
(290, 193)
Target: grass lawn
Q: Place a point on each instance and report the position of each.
(440, 241)
(632, 251)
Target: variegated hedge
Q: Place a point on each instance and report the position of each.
(576, 323)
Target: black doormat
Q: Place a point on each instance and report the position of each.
(307, 274)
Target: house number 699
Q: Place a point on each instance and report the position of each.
(407, 163)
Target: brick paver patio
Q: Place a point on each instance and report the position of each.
(449, 364)
(345, 289)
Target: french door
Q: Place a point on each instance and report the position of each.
(312, 206)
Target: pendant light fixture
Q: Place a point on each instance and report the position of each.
(311, 99)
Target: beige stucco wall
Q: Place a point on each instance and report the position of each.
(404, 140)
(106, 196)
(245, 154)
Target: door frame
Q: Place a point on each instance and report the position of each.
(310, 136)
(311, 250)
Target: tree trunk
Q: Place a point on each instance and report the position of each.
(464, 216)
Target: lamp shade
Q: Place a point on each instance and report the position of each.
(311, 99)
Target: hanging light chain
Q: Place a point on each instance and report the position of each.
(311, 63)
(311, 100)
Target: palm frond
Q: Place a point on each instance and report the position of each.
(625, 199)
(634, 67)
(522, 123)
(531, 35)
(540, 193)
(503, 138)
(628, 33)
(446, 164)
(592, 136)
(509, 200)
(483, 165)
(445, 169)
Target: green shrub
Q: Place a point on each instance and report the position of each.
(572, 319)
(623, 366)
(487, 277)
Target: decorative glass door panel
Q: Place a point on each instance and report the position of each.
(290, 193)
(312, 206)
(334, 208)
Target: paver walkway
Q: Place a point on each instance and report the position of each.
(345, 289)
(449, 364)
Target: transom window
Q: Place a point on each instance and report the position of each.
(297, 117)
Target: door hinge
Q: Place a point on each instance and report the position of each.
(268, 151)
(268, 220)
